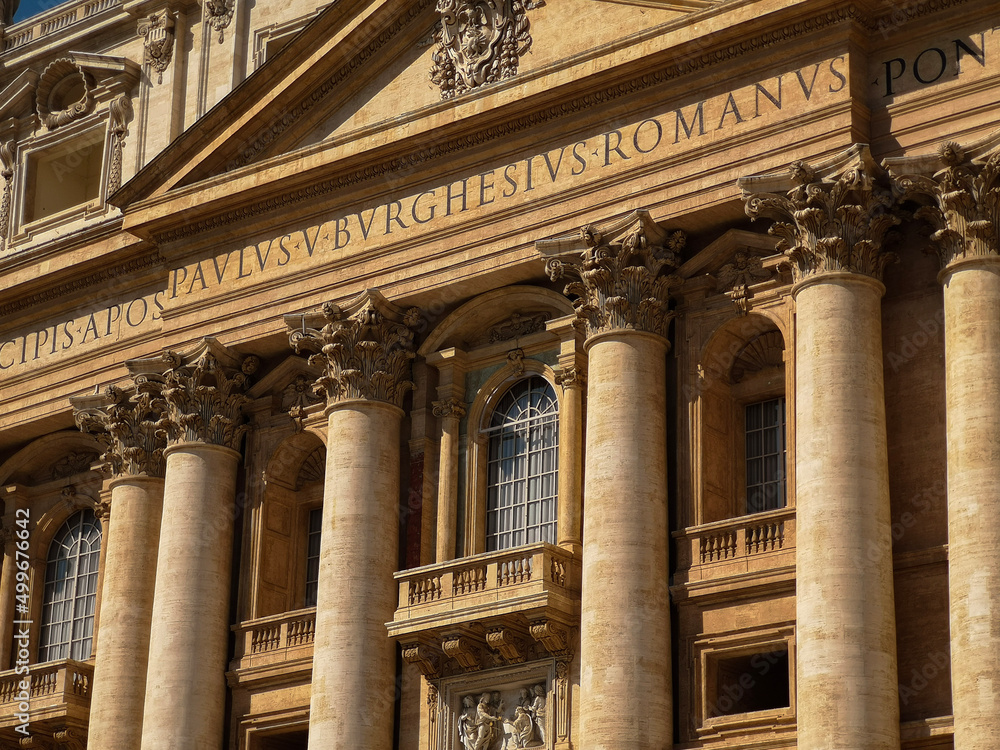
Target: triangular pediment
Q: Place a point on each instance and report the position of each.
(365, 82)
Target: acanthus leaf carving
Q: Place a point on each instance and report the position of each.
(832, 219)
(507, 643)
(423, 658)
(554, 638)
(204, 391)
(623, 281)
(451, 408)
(478, 42)
(959, 195)
(572, 377)
(462, 650)
(157, 32)
(736, 278)
(365, 349)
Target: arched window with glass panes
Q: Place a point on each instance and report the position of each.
(70, 595)
(522, 466)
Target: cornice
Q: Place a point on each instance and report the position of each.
(145, 261)
(683, 66)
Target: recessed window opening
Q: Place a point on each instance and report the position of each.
(522, 466)
(750, 682)
(64, 175)
(312, 555)
(765, 455)
(70, 595)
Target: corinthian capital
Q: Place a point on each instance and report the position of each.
(959, 189)
(203, 391)
(365, 348)
(131, 426)
(623, 273)
(828, 218)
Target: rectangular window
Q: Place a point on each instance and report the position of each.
(749, 682)
(312, 556)
(64, 175)
(765, 455)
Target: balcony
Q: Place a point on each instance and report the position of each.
(276, 644)
(58, 698)
(488, 610)
(756, 549)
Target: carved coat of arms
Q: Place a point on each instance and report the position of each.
(478, 41)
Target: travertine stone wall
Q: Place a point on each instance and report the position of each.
(846, 634)
(189, 640)
(625, 620)
(126, 612)
(354, 664)
(972, 345)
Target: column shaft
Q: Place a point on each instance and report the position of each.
(186, 686)
(116, 710)
(570, 466)
(8, 584)
(447, 502)
(845, 632)
(625, 615)
(972, 346)
(354, 665)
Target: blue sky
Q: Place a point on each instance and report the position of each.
(29, 8)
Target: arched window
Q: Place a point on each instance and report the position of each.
(71, 589)
(522, 466)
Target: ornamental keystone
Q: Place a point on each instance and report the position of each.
(958, 190)
(624, 271)
(131, 426)
(830, 217)
(203, 391)
(365, 348)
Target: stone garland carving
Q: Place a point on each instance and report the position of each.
(7, 172)
(623, 284)
(485, 724)
(452, 408)
(517, 325)
(961, 202)
(365, 349)
(131, 427)
(478, 42)
(120, 112)
(218, 15)
(830, 223)
(157, 32)
(736, 278)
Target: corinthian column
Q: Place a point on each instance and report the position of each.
(961, 192)
(625, 610)
(831, 223)
(129, 424)
(365, 350)
(185, 684)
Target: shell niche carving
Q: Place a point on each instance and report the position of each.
(63, 94)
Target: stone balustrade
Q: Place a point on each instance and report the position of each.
(275, 640)
(464, 609)
(58, 695)
(53, 20)
(737, 545)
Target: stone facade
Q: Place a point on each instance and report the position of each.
(491, 374)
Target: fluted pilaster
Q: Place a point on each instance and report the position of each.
(364, 349)
(959, 192)
(623, 273)
(831, 222)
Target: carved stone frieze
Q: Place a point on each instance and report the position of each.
(60, 76)
(486, 722)
(736, 278)
(960, 195)
(203, 391)
(517, 325)
(219, 14)
(7, 162)
(478, 42)
(831, 218)
(365, 349)
(130, 425)
(450, 408)
(624, 278)
(120, 112)
(157, 32)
